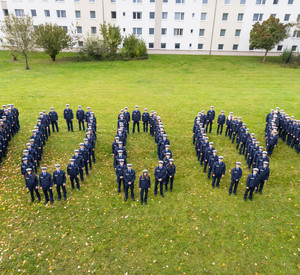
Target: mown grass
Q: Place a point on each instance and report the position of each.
(193, 230)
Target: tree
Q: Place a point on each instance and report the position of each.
(53, 39)
(111, 36)
(94, 48)
(267, 34)
(134, 47)
(18, 35)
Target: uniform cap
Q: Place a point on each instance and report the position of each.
(244, 124)
(121, 160)
(240, 117)
(67, 105)
(28, 169)
(120, 142)
(88, 133)
(211, 106)
(145, 109)
(171, 160)
(32, 140)
(4, 106)
(211, 143)
(167, 145)
(238, 163)
(136, 106)
(57, 165)
(214, 151)
(85, 139)
(206, 138)
(28, 144)
(51, 108)
(122, 110)
(255, 169)
(129, 165)
(160, 162)
(72, 160)
(33, 131)
(165, 135)
(126, 108)
(261, 147)
(36, 127)
(117, 137)
(265, 162)
(120, 151)
(88, 108)
(44, 111)
(120, 129)
(231, 113)
(168, 153)
(145, 171)
(220, 157)
(40, 113)
(79, 106)
(25, 158)
(222, 112)
(81, 144)
(265, 152)
(25, 151)
(44, 168)
(76, 151)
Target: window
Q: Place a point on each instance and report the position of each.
(151, 14)
(76, 0)
(243, 2)
(113, 1)
(193, 15)
(190, 45)
(163, 31)
(226, 2)
(179, 15)
(275, 2)
(19, 12)
(137, 15)
(204, 1)
(220, 46)
(222, 32)
(177, 45)
(35, 27)
(240, 17)
(178, 31)
(237, 32)
(59, 0)
(137, 31)
(80, 43)
(279, 48)
(137, 1)
(92, 14)
(260, 2)
(298, 18)
(290, 2)
(77, 14)
(151, 31)
(180, 1)
(258, 16)
(274, 15)
(200, 46)
(123, 13)
(93, 30)
(165, 1)
(92, 1)
(124, 29)
(61, 13)
(151, 45)
(33, 13)
(203, 16)
(113, 14)
(163, 45)
(296, 34)
(47, 13)
(192, 31)
(287, 17)
(79, 29)
(235, 47)
(164, 15)
(5, 12)
(65, 28)
(294, 48)
(201, 32)
(225, 16)
(152, 1)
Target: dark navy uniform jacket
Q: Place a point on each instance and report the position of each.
(144, 183)
(120, 170)
(236, 173)
(219, 168)
(45, 180)
(24, 166)
(145, 117)
(264, 173)
(212, 160)
(171, 170)
(210, 115)
(221, 119)
(208, 152)
(127, 116)
(129, 176)
(73, 170)
(273, 140)
(84, 153)
(59, 178)
(252, 181)
(80, 115)
(160, 173)
(136, 115)
(68, 114)
(121, 148)
(53, 116)
(116, 160)
(31, 181)
(79, 161)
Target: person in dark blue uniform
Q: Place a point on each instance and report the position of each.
(146, 120)
(212, 159)
(210, 117)
(272, 142)
(144, 185)
(251, 184)
(207, 153)
(78, 159)
(32, 184)
(218, 171)
(86, 157)
(236, 174)
(73, 173)
(46, 184)
(136, 118)
(220, 122)
(127, 118)
(263, 173)
(80, 115)
(171, 170)
(68, 116)
(160, 175)
(120, 170)
(59, 181)
(129, 178)
(53, 116)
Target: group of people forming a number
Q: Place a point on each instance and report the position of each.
(237, 132)
(166, 169)
(81, 159)
(9, 126)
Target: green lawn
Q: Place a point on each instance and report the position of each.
(194, 229)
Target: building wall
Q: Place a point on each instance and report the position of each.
(219, 35)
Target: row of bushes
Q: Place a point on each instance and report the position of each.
(290, 58)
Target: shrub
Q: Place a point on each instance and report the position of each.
(134, 47)
(94, 48)
(286, 56)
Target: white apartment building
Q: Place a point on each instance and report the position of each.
(190, 26)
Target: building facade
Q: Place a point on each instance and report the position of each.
(192, 26)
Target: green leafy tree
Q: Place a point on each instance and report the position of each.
(94, 48)
(53, 39)
(18, 36)
(134, 47)
(111, 36)
(267, 34)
